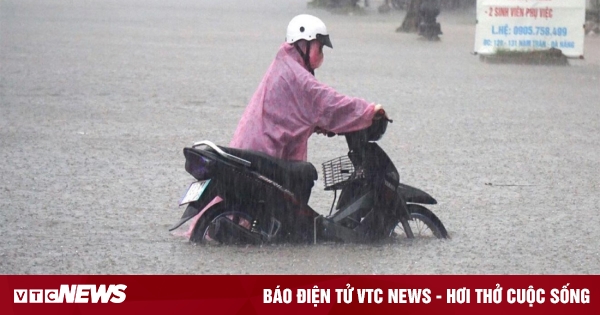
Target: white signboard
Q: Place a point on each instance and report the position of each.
(525, 25)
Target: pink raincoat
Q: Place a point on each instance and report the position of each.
(289, 104)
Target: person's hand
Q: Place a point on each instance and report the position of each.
(380, 112)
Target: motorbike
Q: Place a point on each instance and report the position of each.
(429, 28)
(247, 197)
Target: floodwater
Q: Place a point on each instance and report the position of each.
(98, 98)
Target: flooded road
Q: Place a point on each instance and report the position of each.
(98, 98)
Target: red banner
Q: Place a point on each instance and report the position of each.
(299, 294)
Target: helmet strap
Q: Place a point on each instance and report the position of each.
(305, 56)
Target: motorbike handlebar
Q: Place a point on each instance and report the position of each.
(379, 115)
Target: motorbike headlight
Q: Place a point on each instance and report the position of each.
(377, 129)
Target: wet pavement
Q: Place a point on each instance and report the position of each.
(98, 98)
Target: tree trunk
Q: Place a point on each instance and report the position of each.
(412, 18)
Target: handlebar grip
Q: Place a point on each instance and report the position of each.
(382, 114)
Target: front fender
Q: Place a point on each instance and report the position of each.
(415, 195)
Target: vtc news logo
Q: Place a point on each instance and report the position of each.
(75, 293)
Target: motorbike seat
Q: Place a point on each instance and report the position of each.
(297, 176)
(268, 165)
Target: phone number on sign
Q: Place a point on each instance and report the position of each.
(540, 31)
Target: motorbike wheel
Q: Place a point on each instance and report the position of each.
(423, 224)
(205, 228)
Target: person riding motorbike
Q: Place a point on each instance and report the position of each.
(290, 105)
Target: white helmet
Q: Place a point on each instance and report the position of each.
(307, 27)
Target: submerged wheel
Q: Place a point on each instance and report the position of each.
(206, 228)
(423, 224)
